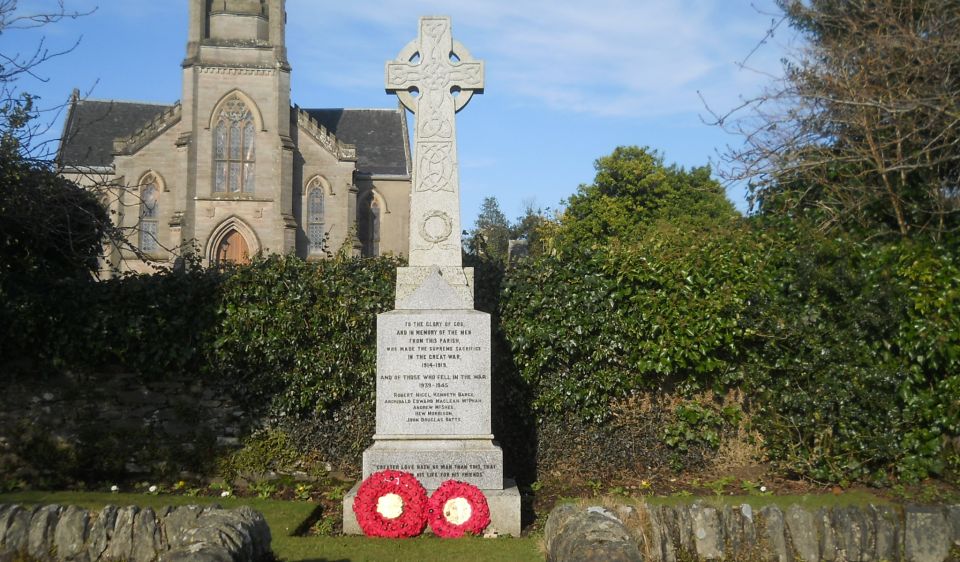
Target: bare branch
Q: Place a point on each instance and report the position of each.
(864, 128)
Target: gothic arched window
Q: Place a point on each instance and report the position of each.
(315, 226)
(149, 215)
(233, 149)
(368, 227)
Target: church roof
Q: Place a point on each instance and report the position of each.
(93, 125)
(378, 134)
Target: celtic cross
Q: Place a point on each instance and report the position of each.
(434, 77)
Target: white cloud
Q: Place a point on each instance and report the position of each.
(630, 58)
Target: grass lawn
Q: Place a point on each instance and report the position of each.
(284, 517)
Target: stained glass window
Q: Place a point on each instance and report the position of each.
(233, 149)
(315, 218)
(149, 213)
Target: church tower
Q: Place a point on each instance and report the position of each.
(234, 169)
(235, 130)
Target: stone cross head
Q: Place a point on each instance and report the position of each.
(434, 77)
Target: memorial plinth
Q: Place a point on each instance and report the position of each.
(433, 398)
(433, 350)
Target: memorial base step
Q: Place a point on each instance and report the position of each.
(434, 461)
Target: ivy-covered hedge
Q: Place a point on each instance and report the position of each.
(587, 328)
(844, 354)
(847, 350)
(149, 324)
(302, 335)
(856, 377)
(298, 337)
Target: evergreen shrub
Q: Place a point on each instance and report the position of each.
(589, 327)
(846, 351)
(856, 376)
(302, 336)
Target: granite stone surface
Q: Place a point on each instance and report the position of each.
(434, 288)
(433, 351)
(433, 462)
(433, 374)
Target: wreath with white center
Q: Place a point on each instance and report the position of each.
(391, 503)
(458, 508)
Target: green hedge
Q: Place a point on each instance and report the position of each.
(303, 335)
(588, 328)
(297, 337)
(847, 351)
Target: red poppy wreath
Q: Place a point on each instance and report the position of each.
(391, 503)
(457, 508)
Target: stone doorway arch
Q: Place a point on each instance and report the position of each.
(233, 248)
(232, 242)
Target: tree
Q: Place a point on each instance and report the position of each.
(50, 228)
(20, 122)
(634, 189)
(863, 131)
(490, 236)
(530, 227)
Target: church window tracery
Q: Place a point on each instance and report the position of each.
(149, 215)
(315, 222)
(369, 226)
(234, 149)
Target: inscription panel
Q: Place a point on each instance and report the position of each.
(433, 373)
(483, 469)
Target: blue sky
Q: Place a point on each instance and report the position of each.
(567, 81)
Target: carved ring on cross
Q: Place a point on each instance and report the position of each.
(436, 227)
(408, 53)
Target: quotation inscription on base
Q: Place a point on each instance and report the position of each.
(433, 373)
(442, 471)
(481, 466)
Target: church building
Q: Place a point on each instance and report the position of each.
(234, 169)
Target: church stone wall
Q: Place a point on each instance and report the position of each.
(317, 161)
(262, 58)
(124, 423)
(264, 210)
(394, 222)
(161, 157)
(234, 26)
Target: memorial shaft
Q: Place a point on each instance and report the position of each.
(434, 78)
(434, 350)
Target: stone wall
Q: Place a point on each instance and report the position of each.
(665, 533)
(79, 427)
(131, 534)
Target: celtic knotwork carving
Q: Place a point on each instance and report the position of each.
(434, 77)
(438, 121)
(436, 167)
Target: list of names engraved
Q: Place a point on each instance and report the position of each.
(433, 374)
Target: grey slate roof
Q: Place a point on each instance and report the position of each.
(377, 134)
(92, 126)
